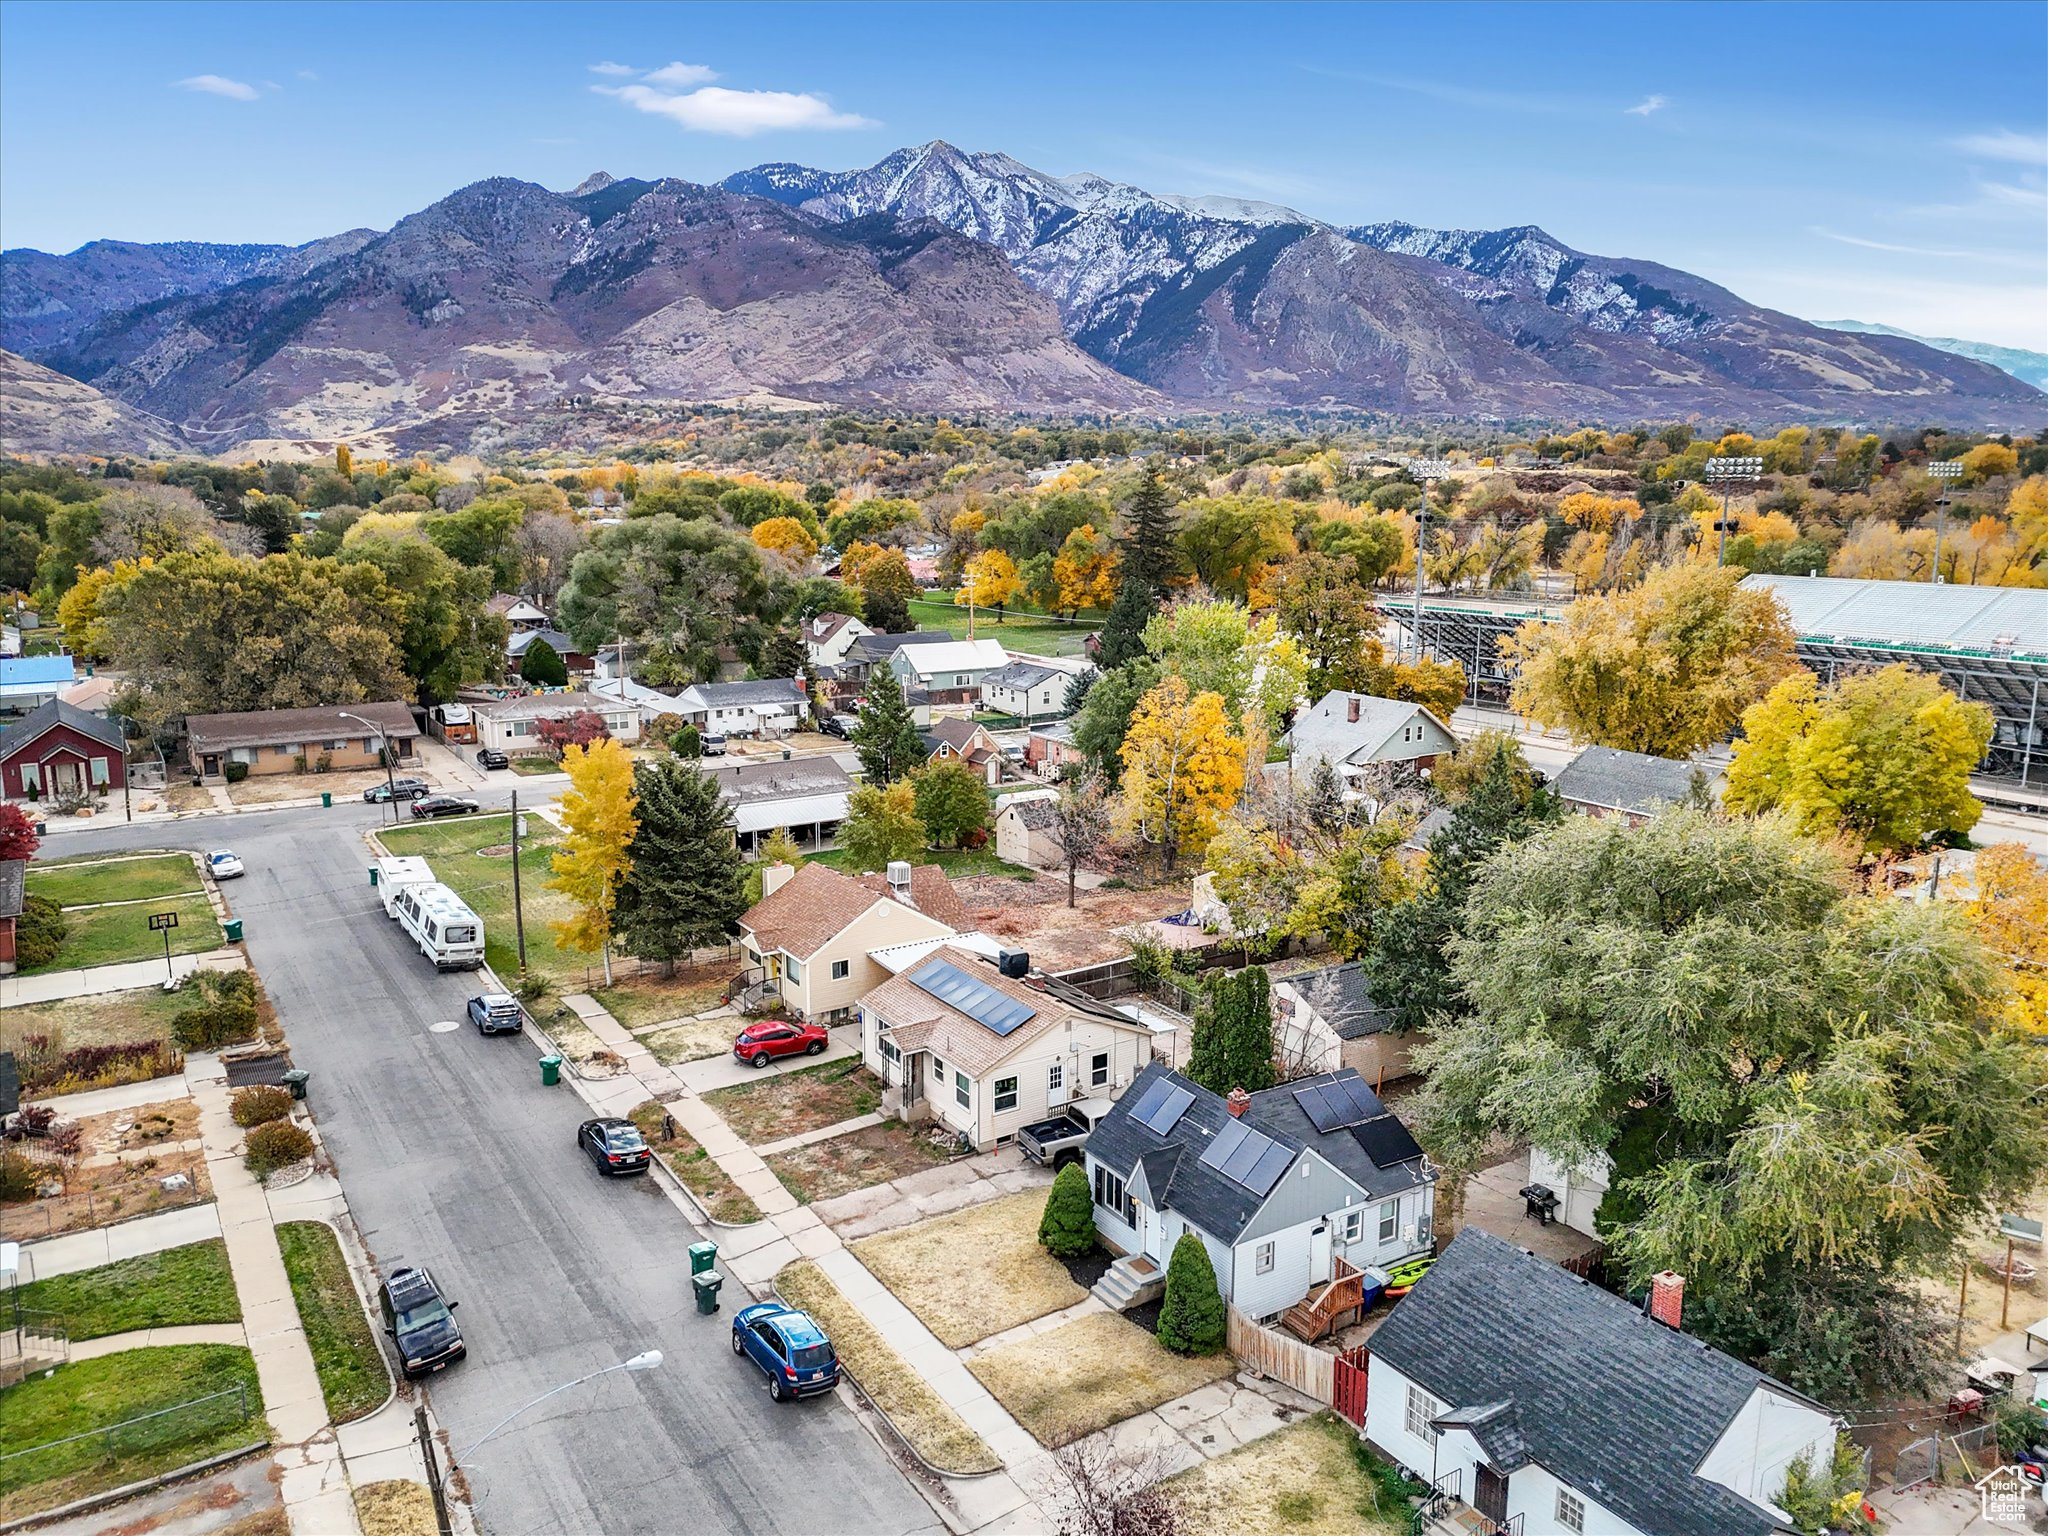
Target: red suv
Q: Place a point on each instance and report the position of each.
(758, 1044)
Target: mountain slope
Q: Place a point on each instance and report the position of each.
(43, 412)
(2027, 367)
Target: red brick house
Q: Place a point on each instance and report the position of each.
(56, 747)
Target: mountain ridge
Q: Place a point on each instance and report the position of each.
(2028, 367)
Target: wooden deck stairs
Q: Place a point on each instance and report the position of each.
(1322, 1311)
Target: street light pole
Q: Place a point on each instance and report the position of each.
(1727, 474)
(383, 751)
(1424, 471)
(1945, 474)
(646, 1360)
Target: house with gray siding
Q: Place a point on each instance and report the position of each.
(1278, 1185)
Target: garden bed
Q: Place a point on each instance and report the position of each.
(791, 1102)
(920, 1415)
(1314, 1478)
(353, 1376)
(994, 1246)
(170, 1288)
(874, 1154)
(93, 1197)
(722, 1199)
(1089, 1374)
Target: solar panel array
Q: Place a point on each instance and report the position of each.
(1161, 1105)
(1386, 1141)
(1247, 1157)
(1333, 1105)
(993, 1010)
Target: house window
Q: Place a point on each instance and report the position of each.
(1006, 1094)
(938, 1070)
(793, 968)
(100, 777)
(1390, 1220)
(1354, 1226)
(959, 679)
(1111, 1195)
(961, 1093)
(342, 745)
(840, 968)
(289, 749)
(1098, 1069)
(889, 1052)
(1571, 1511)
(31, 777)
(1262, 1259)
(1421, 1409)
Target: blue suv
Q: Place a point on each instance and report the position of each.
(788, 1346)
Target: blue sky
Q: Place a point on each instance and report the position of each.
(1884, 162)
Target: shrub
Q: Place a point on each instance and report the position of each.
(1191, 1315)
(39, 932)
(223, 1012)
(542, 666)
(18, 838)
(235, 772)
(19, 1175)
(687, 742)
(277, 1144)
(1067, 1230)
(259, 1105)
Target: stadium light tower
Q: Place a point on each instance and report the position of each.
(1727, 474)
(1423, 470)
(1945, 475)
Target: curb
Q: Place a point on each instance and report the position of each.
(95, 1501)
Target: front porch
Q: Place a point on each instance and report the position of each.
(1445, 1512)
(905, 1098)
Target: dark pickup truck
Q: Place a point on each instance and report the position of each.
(1056, 1142)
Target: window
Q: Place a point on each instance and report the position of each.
(961, 1093)
(342, 745)
(1354, 1226)
(793, 968)
(1006, 1094)
(938, 1070)
(1421, 1409)
(1571, 1511)
(289, 749)
(1390, 1220)
(840, 968)
(31, 776)
(1098, 1069)
(959, 679)
(100, 778)
(1262, 1259)
(889, 1051)
(1111, 1195)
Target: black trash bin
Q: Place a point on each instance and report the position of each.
(706, 1286)
(296, 1080)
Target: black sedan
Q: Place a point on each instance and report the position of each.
(427, 807)
(395, 789)
(616, 1146)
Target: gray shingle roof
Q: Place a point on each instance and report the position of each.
(1276, 1112)
(1020, 674)
(1340, 997)
(55, 712)
(1612, 1403)
(278, 727)
(1611, 779)
(873, 648)
(1327, 731)
(765, 690)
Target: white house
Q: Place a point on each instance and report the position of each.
(765, 707)
(967, 1041)
(829, 636)
(1545, 1404)
(807, 797)
(510, 725)
(1278, 1185)
(1029, 689)
(952, 671)
(1353, 731)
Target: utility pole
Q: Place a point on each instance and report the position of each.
(518, 905)
(1727, 474)
(1424, 471)
(1945, 474)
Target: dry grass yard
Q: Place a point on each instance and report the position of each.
(1089, 1374)
(975, 1272)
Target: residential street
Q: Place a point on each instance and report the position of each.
(454, 1156)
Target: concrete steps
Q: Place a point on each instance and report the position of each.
(1131, 1281)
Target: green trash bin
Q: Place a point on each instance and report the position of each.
(373, 877)
(327, 799)
(296, 1080)
(550, 1070)
(706, 1286)
(702, 1257)
(232, 927)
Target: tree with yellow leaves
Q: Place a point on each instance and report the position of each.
(785, 535)
(592, 863)
(1883, 756)
(1665, 668)
(990, 581)
(1183, 768)
(1086, 569)
(80, 609)
(2011, 914)
(1987, 461)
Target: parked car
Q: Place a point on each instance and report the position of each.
(792, 1350)
(429, 807)
(496, 1013)
(759, 1044)
(711, 744)
(396, 789)
(1013, 754)
(223, 865)
(616, 1146)
(491, 757)
(420, 1319)
(841, 726)
(1057, 1142)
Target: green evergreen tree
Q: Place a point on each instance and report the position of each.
(1067, 1229)
(952, 802)
(1322, 803)
(784, 655)
(886, 737)
(1151, 557)
(687, 742)
(687, 885)
(1191, 1316)
(1232, 1045)
(1122, 638)
(542, 666)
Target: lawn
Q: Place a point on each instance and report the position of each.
(721, 1198)
(353, 1376)
(1038, 634)
(1089, 1374)
(958, 863)
(474, 856)
(88, 883)
(1314, 1478)
(920, 1415)
(89, 1395)
(874, 1154)
(170, 1288)
(789, 1103)
(106, 1018)
(113, 935)
(656, 999)
(691, 1040)
(975, 1272)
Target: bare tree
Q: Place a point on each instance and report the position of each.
(547, 542)
(1395, 788)
(1112, 1492)
(1080, 824)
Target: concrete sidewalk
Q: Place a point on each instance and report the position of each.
(74, 1251)
(155, 1338)
(55, 986)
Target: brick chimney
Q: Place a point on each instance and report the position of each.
(1351, 709)
(1239, 1101)
(1667, 1299)
(774, 877)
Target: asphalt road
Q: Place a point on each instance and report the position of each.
(454, 1156)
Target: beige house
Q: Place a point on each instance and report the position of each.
(270, 741)
(1027, 829)
(809, 939)
(1326, 1021)
(962, 1043)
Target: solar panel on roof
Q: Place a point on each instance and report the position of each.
(1333, 1105)
(993, 1010)
(1165, 1115)
(1150, 1100)
(1386, 1141)
(1247, 1157)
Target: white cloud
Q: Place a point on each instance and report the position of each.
(307, 74)
(682, 74)
(1995, 258)
(219, 85)
(609, 68)
(1646, 106)
(2026, 148)
(737, 114)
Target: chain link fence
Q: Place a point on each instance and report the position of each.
(205, 1423)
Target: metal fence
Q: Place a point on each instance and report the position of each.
(165, 1427)
(142, 1193)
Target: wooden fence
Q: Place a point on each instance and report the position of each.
(1265, 1352)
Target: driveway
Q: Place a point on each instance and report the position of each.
(452, 1154)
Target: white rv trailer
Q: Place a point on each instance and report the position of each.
(394, 875)
(447, 932)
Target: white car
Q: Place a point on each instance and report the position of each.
(223, 865)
